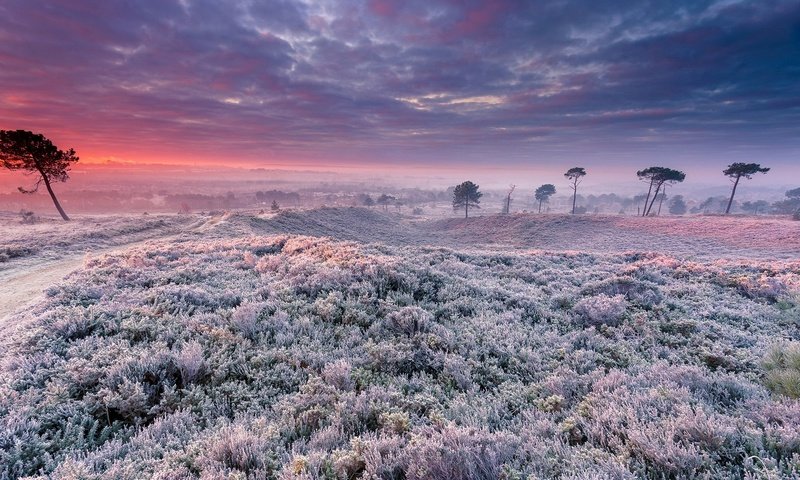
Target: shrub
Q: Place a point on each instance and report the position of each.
(338, 374)
(600, 310)
(191, 362)
(238, 449)
(457, 453)
(408, 321)
(27, 217)
(782, 367)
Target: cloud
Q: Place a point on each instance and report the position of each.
(340, 79)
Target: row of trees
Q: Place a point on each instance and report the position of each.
(33, 153)
(658, 178)
(468, 195)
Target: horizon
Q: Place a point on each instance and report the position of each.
(420, 87)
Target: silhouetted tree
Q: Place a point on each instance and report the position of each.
(544, 193)
(791, 204)
(738, 170)
(507, 203)
(574, 175)
(755, 207)
(677, 206)
(24, 150)
(657, 177)
(385, 200)
(661, 197)
(466, 195)
(368, 201)
(275, 207)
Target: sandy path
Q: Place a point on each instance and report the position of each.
(24, 286)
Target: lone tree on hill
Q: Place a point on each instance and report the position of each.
(466, 195)
(738, 170)
(544, 193)
(658, 177)
(33, 153)
(574, 175)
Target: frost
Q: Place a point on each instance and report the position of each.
(299, 357)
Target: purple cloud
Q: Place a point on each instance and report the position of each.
(420, 80)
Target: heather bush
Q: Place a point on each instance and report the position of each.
(601, 310)
(298, 357)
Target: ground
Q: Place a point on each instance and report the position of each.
(352, 343)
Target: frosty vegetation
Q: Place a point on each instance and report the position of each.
(301, 358)
(50, 238)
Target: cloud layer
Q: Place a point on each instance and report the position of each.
(413, 81)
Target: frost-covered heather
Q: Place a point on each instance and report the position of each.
(54, 238)
(694, 236)
(297, 357)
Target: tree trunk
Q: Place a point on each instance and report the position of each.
(733, 192)
(655, 195)
(661, 202)
(574, 196)
(466, 209)
(540, 206)
(53, 196)
(647, 199)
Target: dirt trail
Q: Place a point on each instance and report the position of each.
(23, 287)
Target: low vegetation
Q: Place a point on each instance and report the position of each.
(299, 357)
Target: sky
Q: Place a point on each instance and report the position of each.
(437, 84)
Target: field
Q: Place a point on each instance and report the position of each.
(351, 343)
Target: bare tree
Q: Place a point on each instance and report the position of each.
(574, 175)
(31, 152)
(738, 170)
(507, 205)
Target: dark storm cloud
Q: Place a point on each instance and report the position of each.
(254, 79)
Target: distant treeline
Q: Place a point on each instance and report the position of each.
(88, 201)
(404, 200)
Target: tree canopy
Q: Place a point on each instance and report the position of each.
(677, 206)
(33, 153)
(466, 195)
(746, 170)
(385, 200)
(543, 194)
